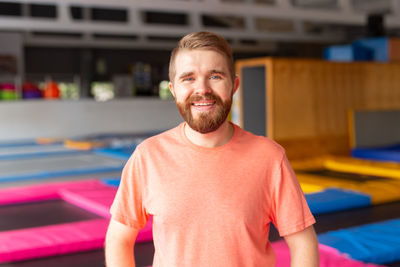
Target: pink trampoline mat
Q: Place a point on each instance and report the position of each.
(52, 240)
(329, 257)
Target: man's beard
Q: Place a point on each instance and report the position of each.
(207, 121)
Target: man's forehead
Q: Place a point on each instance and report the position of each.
(193, 60)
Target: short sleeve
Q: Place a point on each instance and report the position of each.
(289, 212)
(127, 207)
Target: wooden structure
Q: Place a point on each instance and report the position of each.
(304, 104)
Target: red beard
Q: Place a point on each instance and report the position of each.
(207, 121)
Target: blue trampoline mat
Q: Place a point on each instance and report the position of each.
(375, 243)
(111, 181)
(333, 199)
(120, 153)
(27, 150)
(58, 166)
(391, 153)
(18, 143)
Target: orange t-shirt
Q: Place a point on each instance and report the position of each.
(211, 206)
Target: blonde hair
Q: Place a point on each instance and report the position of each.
(203, 40)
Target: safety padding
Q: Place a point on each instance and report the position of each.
(328, 257)
(120, 153)
(350, 165)
(83, 145)
(380, 190)
(333, 199)
(375, 179)
(36, 242)
(111, 181)
(381, 154)
(377, 242)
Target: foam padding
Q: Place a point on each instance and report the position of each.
(363, 167)
(377, 242)
(121, 153)
(83, 145)
(350, 165)
(373, 179)
(380, 191)
(333, 199)
(383, 154)
(111, 181)
(91, 195)
(328, 257)
(52, 240)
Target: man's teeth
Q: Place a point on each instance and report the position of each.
(202, 104)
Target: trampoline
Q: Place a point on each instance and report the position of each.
(114, 140)
(57, 165)
(34, 150)
(34, 238)
(16, 143)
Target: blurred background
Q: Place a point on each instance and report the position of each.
(82, 82)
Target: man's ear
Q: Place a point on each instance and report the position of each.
(236, 83)
(171, 88)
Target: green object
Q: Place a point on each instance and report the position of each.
(164, 92)
(8, 95)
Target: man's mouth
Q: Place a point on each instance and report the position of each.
(203, 103)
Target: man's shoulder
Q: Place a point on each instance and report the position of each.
(260, 142)
(166, 137)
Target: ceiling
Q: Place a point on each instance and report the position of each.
(248, 24)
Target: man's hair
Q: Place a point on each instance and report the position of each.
(203, 40)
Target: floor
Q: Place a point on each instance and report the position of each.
(144, 251)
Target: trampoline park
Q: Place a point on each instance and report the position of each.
(82, 83)
(58, 216)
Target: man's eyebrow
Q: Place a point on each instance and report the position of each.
(218, 72)
(185, 74)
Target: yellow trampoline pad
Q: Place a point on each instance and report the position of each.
(350, 165)
(380, 190)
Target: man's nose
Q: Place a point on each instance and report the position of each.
(202, 87)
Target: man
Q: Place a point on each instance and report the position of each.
(211, 187)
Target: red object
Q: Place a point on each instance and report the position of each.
(51, 90)
(8, 87)
(30, 90)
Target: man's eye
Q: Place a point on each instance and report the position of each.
(215, 77)
(188, 79)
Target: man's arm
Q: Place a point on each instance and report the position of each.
(303, 248)
(120, 240)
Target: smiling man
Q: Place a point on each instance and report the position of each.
(212, 188)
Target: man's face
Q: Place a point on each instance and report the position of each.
(203, 88)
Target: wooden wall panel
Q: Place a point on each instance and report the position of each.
(310, 99)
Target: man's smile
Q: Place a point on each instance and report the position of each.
(203, 105)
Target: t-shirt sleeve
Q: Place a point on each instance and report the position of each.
(290, 212)
(128, 207)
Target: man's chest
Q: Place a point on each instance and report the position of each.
(206, 194)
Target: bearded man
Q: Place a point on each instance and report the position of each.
(212, 188)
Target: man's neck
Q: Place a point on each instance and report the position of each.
(216, 138)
